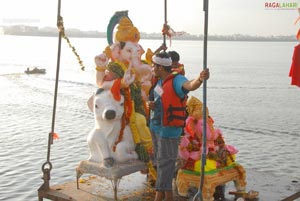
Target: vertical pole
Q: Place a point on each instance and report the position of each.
(47, 166)
(59, 23)
(165, 22)
(203, 156)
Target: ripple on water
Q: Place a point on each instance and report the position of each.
(265, 142)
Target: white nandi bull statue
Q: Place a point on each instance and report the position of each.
(108, 123)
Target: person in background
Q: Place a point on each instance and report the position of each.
(167, 118)
(176, 66)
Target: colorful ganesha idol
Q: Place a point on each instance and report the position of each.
(120, 68)
(218, 153)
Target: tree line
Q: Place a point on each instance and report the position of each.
(53, 32)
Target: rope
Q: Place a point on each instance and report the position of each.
(60, 25)
(167, 31)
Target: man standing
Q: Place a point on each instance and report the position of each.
(168, 114)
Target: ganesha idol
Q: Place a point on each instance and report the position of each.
(218, 153)
(120, 68)
(128, 51)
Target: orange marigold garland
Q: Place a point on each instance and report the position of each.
(127, 112)
(120, 138)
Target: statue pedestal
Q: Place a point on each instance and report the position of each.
(187, 179)
(114, 173)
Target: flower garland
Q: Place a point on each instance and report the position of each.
(137, 140)
(133, 103)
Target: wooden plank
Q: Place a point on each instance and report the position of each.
(94, 188)
(292, 197)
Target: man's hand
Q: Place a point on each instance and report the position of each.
(204, 75)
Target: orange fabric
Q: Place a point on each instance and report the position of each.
(116, 89)
(55, 136)
(298, 35)
(190, 127)
(295, 67)
(127, 104)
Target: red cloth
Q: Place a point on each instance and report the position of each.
(295, 67)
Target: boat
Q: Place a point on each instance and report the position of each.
(35, 70)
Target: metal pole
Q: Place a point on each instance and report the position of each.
(59, 21)
(47, 166)
(165, 22)
(203, 156)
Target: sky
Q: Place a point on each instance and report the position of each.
(225, 17)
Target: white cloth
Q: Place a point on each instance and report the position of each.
(162, 61)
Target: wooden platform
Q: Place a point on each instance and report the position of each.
(131, 188)
(99, 184)
(94, 188)
(135, 187)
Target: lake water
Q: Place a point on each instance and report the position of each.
(249, 97)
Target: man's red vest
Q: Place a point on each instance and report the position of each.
(174, 107)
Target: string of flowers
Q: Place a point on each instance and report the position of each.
(60, 25)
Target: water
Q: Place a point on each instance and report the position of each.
(249, 97)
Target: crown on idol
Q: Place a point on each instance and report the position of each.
(126, 31)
